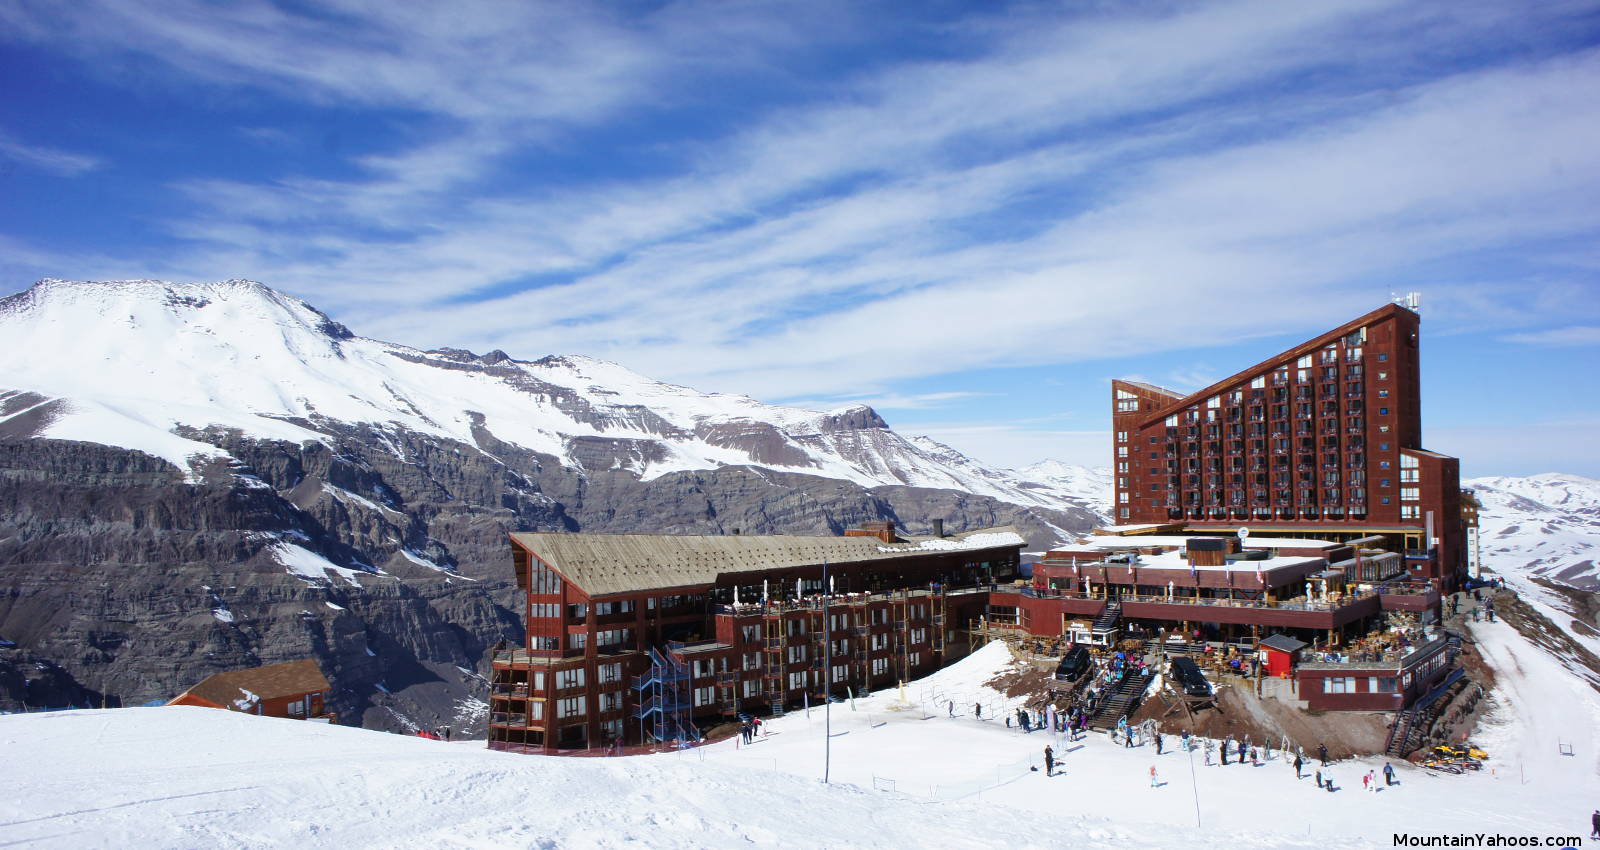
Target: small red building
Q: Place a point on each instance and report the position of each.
(295, 689)
(1279, 654)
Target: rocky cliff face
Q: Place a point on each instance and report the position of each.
(199, 477)
(122, 580)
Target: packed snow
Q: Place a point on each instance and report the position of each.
(906, 771)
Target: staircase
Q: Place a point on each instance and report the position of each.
(1124, 700)
(1107, 620)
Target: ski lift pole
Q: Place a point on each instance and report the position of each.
(827, 683)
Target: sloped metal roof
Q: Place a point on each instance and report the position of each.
(272, 681)
(602, 564)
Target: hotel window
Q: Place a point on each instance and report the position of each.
(914, 659)
(576, 611)
(1122, 451)
(1122, 467)
(797, 654)
(1122, 436)
(571, 707)
(1383, 358)
(1122, 498)
(536, 710)
(752, 661)
(612, 701)
(880, 666)
(880, 642)
(919, 635)
(704, 667)
(611, 729)
(752, 688)
(601, 609)
(608, 673)
(705, 696)
(1339, 685)
(797, 681)
(1384, 500)
(298, 707)
(569, 678)
(1123, 513)
(1410, 512)
(1410, 494)
(578, 640)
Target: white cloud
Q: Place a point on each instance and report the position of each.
(1569, 337)
(46, 159)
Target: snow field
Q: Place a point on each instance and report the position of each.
(192, 777)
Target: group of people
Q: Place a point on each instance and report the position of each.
(748, 728)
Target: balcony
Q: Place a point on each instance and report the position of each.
(506, 718)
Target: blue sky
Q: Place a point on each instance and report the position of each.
(970, 216)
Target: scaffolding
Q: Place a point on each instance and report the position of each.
(776, 661)
(665, 711)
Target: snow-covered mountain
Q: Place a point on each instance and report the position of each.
(1542, 525)
(142, 364)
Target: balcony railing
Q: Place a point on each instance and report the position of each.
(1204, 601)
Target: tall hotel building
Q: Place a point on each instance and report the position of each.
(1323, 440)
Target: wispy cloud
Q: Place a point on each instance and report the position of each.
(46, 159)
(1059, 187)
(1570, 337)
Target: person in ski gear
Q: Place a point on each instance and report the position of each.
(1322, 754)
(1388, 774)
(1049, 761)
(1158, 743)
(977, 710)
(1298, 763)
(1319, 777)
(1594, 820)
(1154, 782)
(1366, 781)
(1224, 752)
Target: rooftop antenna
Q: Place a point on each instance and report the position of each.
(1411, 301)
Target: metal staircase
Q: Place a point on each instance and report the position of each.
(1124, 700)
(665, 709)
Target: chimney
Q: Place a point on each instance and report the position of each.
(938, 528)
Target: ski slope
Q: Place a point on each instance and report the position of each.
(192, 777)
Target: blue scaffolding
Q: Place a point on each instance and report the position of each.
(665, 710)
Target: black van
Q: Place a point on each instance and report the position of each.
(1186, 675)
(1073, 665)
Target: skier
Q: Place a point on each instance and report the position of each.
(1594, 820)
(1158, 743)
(1208, 752)
(1322, 754)
(977, 710)
(1366, 781)
(1255, 757)
(1388, 774)
(952, 708)
(1319, 777)
(1327, 783)
(1299, 764)
(447, 733)
(1154, 782)
(1049, 761)
(1371, 781)
(1224, 752)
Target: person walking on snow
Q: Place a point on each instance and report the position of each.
(1594, 820)
(1158, 743)
(1322, 754)
(1366, 781)
(977, 710)
(1319, 777)
(1299, 764)
(1388, 774)
(1049, 761)
(1154, 782)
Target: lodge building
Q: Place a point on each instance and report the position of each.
(635, 637)
(639, 638)
(1322, 440)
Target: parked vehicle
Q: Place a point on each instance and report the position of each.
(1187, 676)
(1074, 664)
